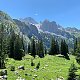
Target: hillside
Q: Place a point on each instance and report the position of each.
(29, 37)
(50, 68)
(45, 30)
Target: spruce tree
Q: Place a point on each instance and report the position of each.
(57, 47)
(37, 48)
(75, 45)
(77, 51)
(45, 51)
(23, 46)
(78, 77)
(11, 43)
(33, 48)
(2, 45)
(18, 48)
(54, 49)
(72, 74)
(41, 49)
(78, 58)
(29, 48)
(64, 49)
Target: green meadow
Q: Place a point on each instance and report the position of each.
(50, 68)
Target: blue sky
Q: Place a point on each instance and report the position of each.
(64, 12)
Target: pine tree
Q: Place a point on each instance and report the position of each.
(54, 49)
(33, 48)
(23, 44)
(75, 45)
(78, 77)
(18, 48)
(37, 48)
(78, 58)
(29, 48)
(2, 45)
(11, 43)
(72, 74)
(64, 49)
(57, 47)
(77, 50)
(41, 49)
(45, 51)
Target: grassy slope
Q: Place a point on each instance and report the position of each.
(57, 66)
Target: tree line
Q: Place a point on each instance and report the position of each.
(13, 45)
(38, 48)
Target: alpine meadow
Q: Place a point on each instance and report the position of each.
(40, 40)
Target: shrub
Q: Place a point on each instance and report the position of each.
(78, 58)
(12, 68)
(38, 65)
(32, 63)
(72, 74)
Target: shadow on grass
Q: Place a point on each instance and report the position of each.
(66, 57)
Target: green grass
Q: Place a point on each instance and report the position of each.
(57, 66)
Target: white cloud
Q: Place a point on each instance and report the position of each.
(36, 14)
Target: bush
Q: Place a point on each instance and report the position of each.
(41, 55)
(72, 74)
(38, 65)
(12, 68)
(78, 77)
(32, 63)
(78, 58)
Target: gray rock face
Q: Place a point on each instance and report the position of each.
(9, 24)
(49, 26)
(53, 27)
(27, 29)
(29, 20)
(23, 27)
(72, 30)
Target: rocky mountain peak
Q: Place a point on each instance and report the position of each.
(29, 20)
(5, 16)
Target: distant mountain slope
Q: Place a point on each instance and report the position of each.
(23, 27)
(29, 20)
(9, 23)
(73, 31)
(44, 30)
(27, 29)
(53, 27)
(70, 29)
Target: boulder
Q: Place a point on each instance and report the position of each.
(21, 67)
(5, 77)
(3, 72)
(16, 72)
(46, 65)
(35, 75)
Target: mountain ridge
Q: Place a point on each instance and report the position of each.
(44, 30)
